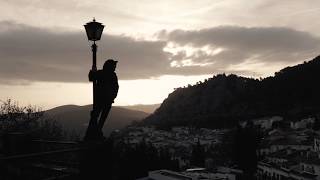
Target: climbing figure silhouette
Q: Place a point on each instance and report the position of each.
(106, 91)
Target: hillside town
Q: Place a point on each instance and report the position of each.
(180, 142)
(289, 152)
(287, 149)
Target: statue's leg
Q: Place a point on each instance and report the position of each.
(94, 117)
(104, 115)
(93, 124)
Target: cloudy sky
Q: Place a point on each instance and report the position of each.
(45, 55)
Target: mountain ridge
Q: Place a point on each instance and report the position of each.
(223, 100)
(148, 108)
(76, 118)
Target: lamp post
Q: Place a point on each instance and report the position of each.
(94, 31)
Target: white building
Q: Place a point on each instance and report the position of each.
(267, 122)
(316, 145)
(193, 174)
(166, 175)
(303, 123)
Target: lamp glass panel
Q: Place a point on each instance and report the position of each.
(94, 30)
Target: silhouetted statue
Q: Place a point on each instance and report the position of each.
(106, 91)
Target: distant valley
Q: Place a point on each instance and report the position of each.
(76, 118)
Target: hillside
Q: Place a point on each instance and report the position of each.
(148, 108)
(223, 100)
(76, 118)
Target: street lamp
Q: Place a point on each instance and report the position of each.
(94, 31)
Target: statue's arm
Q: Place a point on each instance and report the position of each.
(93, 75)
(116, 87)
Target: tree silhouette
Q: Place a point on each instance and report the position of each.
(198, 155)
(29, 120)
(245, 147)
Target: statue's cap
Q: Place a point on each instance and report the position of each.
(109, 64)
(111, 61)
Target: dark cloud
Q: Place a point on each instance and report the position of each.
(250, 39)
(259, 44)
(30, 54)
(34, 54)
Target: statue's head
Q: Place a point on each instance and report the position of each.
(110, 65)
